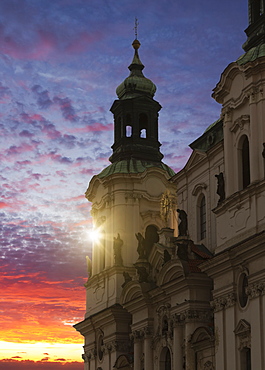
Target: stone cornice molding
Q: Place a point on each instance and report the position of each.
(223, 302)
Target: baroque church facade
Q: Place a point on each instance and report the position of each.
(177, 277)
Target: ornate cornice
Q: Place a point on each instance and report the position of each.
(256, 289)
(192, 316)
(223, 302)
(142, 333)
(90, 354)
(132, 195)
(227, 114)
(255, 94)
(117, 345)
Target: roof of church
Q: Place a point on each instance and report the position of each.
(251, 55)
(133, 166)
(211, 136)
(213, 124)
(136, 84)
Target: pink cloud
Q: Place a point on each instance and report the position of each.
(51, 132)
(3, 205)
(22, 148)
(97, 126)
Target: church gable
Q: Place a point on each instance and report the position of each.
(196, 157)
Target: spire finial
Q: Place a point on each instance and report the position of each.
(136, 44)
(136, 24)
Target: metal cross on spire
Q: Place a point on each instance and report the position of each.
(136, 24)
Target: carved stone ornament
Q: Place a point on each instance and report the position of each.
(100, 221)
(114, 345)
(208, 366)
(256, 289)
(90, 354)
(243, 333)
(192, 316)
(131, 195)
(137, 335)
(240, 122)
(254, 94)
(223, 302)
(227, 114)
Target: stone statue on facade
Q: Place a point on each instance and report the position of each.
(117, 244)
(183, 224)
(220, 186)
(89, 266)
(127, 278)
(141, 249)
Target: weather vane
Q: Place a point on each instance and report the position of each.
(136, 24)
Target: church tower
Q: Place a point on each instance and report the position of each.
(126, 210)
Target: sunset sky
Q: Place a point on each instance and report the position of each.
(60, 64)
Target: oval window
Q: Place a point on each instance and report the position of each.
(242, 285)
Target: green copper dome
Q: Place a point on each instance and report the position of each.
(133, 166)
(252, 54)
(136, 84)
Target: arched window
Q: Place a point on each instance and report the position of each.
(202, 218)
(143, 133)
(128, 131)
(143, 125)
(244, 164)
(245, 355)
(243, 335)
(100, 344)
(165, 360)
(151, 237)
(128, 127)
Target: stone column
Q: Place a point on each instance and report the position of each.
(228, 153)
(148, 352)
(138, 351)
(254, 292)
(254, 148)
(177, 344)
(219, 320)
(229, 329)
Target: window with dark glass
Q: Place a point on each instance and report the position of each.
(242, 286)
(246, 358)
(202, 218)
(245, 163)
(143, 125)
(168, 361)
